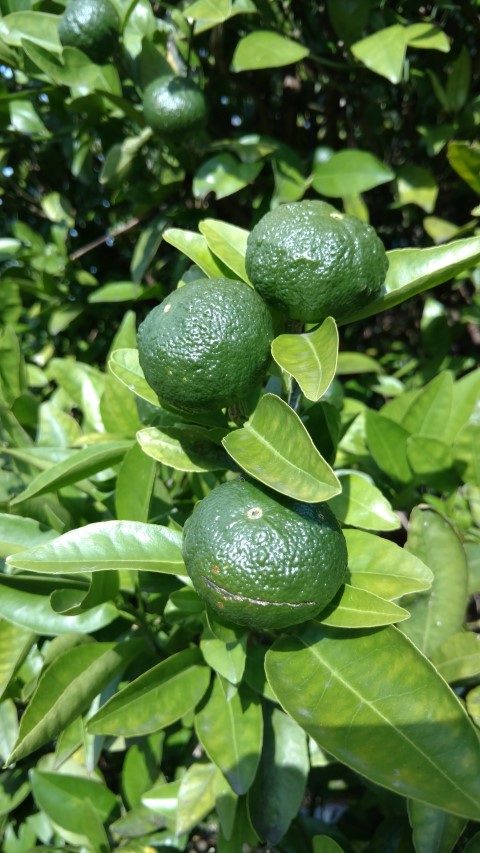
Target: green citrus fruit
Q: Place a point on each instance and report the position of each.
(207, 345)
(173, 105)
(92, 26)
(263, 560)
(311, 261)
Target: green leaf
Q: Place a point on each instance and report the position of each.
(348, 173)
(458, 657)
(190, 452)
(107, 545)
(15, 643)
(84, 384)
(267, 445)
(387, 442)
(311, 358)
(224, 648)
(458, 83)
(427, 37)
(382, 567)
(134, 504)
(356, 362)
(361, 504)
(464, 158)
(465, 403)
(17, 533)
(227, 242)
(216, 12)
(428, 455)
(146, 247)
(412, 271)
(416, 185)
(223, 175)
(383, 52)
(353, 607)
(439, 613)
(264, 49)
(229, 726)
(279, 786)
(156, 699)
(465, 449)
(12, 369)
(81, 465)
(66, 690)
(369, 693)
(433, 829)
(39, 27)
(34, 612)
(63, 799)
(195, 247)
(124, 365)
(349, 18)
(325, 844)
(429, 411)
(196, 796)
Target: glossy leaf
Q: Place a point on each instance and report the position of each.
(223, 175)
(198, 455)
(465, 449)
(227, 242)
(81, 465)
(14, 645)
(427, 37)
(465, 159)
(279, 786)
(361, 504)
(224, 648)
(383, 52)
(275, 447)
(387, 442)
(354, 607)
(439, 613)
(348, 173)
(38, 27)
(67, 688)
(124, 365)
(356, 362)
(311, 358)
(17, 533)
(412, 271)
(156, 699)
(63, 797)
(369, 693)
(33, 611)
(416, 185)
(195, 247)
(382, 567)
(133, 504)
(458, 657)
(465, 402)
(428, 455)
(265, 49)
(107, 545)
(84, 384)
(229, 726)
(429, 412)
(196, 796)
(433, 829)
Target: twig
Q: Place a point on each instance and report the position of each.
(115, 232)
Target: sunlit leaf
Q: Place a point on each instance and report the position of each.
(311, 358)
(275, 447)
(361, 694)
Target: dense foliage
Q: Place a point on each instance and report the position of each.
(130, 717)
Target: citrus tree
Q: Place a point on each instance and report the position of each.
(239, 521)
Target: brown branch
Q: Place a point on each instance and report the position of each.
(115, 232)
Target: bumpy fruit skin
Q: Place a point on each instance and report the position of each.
(173, 105)
(207, 345)
(311, 261)
(92, 26)
(262, 560)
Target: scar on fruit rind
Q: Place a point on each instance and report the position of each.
(254, 512)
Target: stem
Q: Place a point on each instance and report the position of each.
(190, 40)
